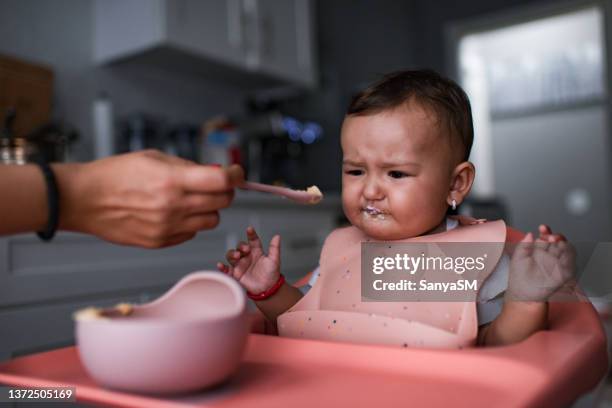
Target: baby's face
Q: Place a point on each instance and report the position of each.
(396, 172)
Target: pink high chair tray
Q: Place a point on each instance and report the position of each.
(549, 369)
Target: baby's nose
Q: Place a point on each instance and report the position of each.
(372, 190)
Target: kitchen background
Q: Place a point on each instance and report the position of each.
(246, 80)
(305, 59)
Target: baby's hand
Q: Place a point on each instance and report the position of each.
(546, 235)
(250, 266)
(539, 267)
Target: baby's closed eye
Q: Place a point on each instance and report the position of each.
(354, 172)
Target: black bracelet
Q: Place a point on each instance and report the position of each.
(52, 200)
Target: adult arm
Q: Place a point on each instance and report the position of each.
(147, 198)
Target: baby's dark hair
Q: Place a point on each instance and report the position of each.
(448, 100)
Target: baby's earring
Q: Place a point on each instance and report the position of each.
(454, 204)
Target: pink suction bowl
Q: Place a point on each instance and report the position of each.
(190, 338)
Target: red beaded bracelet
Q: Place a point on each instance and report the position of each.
(268, 292)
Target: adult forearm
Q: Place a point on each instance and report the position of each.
(146, 198)
(516, 322)
(23, 205)
(24, 197)
(74, 195)
(280, 302)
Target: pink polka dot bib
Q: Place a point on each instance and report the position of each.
(334, 309)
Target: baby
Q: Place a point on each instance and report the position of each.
(406, 140)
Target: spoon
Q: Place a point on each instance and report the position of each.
(310, 196)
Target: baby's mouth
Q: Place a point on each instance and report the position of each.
(374, 212)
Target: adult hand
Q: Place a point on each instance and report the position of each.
(146, 198)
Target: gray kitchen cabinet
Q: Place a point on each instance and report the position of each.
(282, 42)
(269, 39)
(41, 283)
(210, 28)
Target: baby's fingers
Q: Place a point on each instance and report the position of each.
(544, 229)
(232, 256)
(235, 272)
(274, 250)
(525, 247)
(244, 248)
(556, 248)
(224, 268)
(556, 238)
(254, 240)
(237, 266)
(241, 267)
(547, 235)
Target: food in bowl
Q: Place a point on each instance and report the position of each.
(92, 313)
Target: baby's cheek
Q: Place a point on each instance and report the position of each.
(350, 199)
(415, 217)
(349, 208)
(403, 206)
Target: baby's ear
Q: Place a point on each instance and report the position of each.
(462, 180)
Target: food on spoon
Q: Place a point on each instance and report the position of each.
(316, 193)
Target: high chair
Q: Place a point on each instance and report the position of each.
(554, 367)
